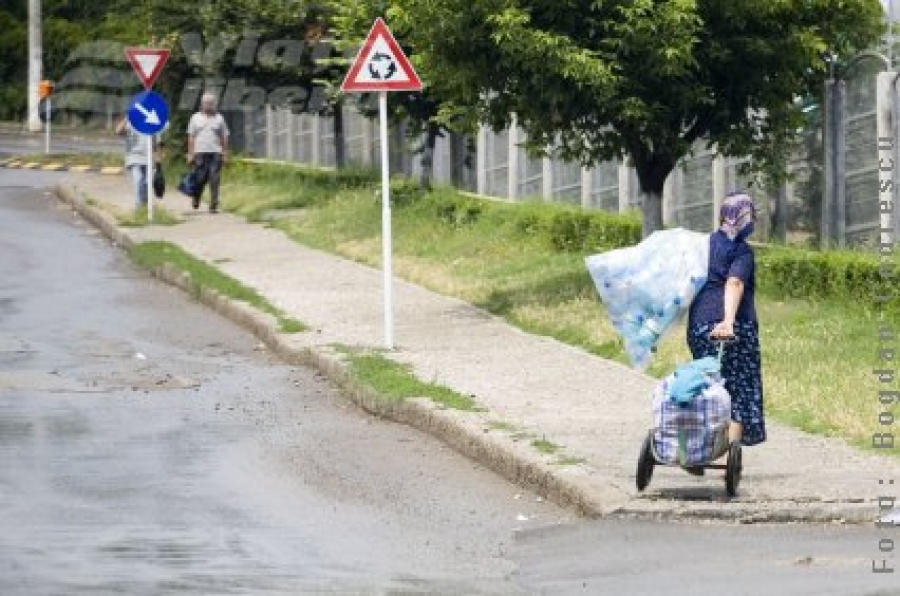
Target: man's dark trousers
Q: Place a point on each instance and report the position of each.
(208, 166)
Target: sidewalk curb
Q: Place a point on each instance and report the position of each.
(491, 450)
(587, 491)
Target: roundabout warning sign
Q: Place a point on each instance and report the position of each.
(381, 65)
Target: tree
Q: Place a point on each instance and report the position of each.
(644, 78)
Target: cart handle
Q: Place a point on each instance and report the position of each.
(722, 341)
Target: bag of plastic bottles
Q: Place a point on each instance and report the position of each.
(647, 287)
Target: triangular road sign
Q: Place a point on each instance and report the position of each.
(381, 65)
(147, 63)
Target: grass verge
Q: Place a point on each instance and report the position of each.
(154, 254)
(817, 354)
(139, 218)
(395, 381)
(544, 446)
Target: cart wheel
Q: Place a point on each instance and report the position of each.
(733, 470)
(645, 463)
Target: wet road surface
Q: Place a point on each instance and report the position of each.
(149, 447)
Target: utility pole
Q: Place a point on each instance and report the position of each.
(35, 63)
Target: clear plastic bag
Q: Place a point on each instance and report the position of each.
(647, 287)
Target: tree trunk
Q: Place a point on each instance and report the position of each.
(431, 135)
(339, 144)
(652, 219)
(779, 216)
(457, 159)
(652, 172)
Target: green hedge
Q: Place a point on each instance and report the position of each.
(799, 273)
(591, 231)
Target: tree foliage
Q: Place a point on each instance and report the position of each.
(647, 79)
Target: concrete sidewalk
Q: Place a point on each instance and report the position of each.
(597, 411)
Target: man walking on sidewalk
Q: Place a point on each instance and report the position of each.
(207, 149)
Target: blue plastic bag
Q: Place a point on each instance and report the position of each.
(692, 378)
(188, 184)
(647, 287)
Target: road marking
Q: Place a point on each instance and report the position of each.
(60, 167)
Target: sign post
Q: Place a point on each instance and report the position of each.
(148, 112)
(381, 66)
(45, 92)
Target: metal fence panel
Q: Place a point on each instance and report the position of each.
(605, 186)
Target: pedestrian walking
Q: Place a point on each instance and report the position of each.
(207, 149)
(136, 159)
(725, 307)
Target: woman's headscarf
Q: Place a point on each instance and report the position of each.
(736, 215)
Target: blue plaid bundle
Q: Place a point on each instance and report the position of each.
(690, 433)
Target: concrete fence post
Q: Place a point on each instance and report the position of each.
(316, 140)
(289, 136)
(512, 161)
(270, 133)
(832, 131)
(481, 168)
(624, 186)
(547, 179)
(839, 211)
(587, 182)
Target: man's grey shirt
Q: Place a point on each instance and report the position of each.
(208, 132)
(135, 147)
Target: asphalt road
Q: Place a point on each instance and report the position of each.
(148, 446)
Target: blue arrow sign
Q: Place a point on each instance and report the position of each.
(148, 113)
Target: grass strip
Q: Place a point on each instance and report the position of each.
(139, 218)
(153, 254)
(395, 381)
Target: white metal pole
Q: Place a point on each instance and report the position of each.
(47, 128)
(35, 63)
(149, 177)
(386, 223)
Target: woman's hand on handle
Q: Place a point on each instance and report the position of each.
(723, 330)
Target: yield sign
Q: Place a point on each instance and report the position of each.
(381, 65)
(147, 63)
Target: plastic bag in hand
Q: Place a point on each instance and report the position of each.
(646, 287)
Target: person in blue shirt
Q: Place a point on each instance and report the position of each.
(725, 307)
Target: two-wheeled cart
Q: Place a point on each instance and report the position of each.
(701, 424)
